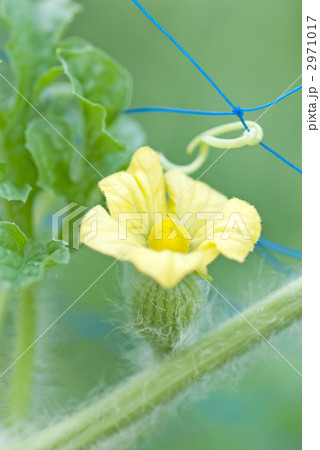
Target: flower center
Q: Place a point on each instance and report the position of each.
(167, 235)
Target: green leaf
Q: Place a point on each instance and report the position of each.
(68, 159)
(22, 265)
(9, 191)
(103, 86)
(53, 253)
(35, 28)
(103, 89)
(47, 78)
(52, 155)
(79, 146)
(60, 150)
(11, 237)
(5, 90)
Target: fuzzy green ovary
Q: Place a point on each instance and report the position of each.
(164, 316)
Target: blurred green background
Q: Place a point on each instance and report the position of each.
(253, 51)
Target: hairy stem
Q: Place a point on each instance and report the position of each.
(22, 372)
(140, 394)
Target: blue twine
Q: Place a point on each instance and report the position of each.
(281, 157)
(177, 111)
(276, 263)
(206, 113)
(274, 101)
(236, 110)
(240, 116)
(279, 248)
(176, 43)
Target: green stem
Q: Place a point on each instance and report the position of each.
(23, 369)
(140, 394)
(4, 297)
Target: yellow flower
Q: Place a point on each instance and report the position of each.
(168, 225)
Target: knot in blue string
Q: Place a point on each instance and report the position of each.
(238, 112)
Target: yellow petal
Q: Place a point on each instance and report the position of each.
(133, 197)
(193, 199)
(146, 169)
(209, 250)
(127, 203)
(166, 267)
(101, 232)
(239, 230)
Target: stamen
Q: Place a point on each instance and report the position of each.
(167, 235)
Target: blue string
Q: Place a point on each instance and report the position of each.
(240, 117)
(274, 101)
(275, 262)
(205, 113)
(177, 111)
(236, 110)
(279, 248)
(165, 32)
(281, 157)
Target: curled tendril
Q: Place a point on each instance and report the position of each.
(207, 139)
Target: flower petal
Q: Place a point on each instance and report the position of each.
(101, 232)
(239, 230)
(166, 267)
(136, 195)
(146, 169)
(126, 203)
(195, 199)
